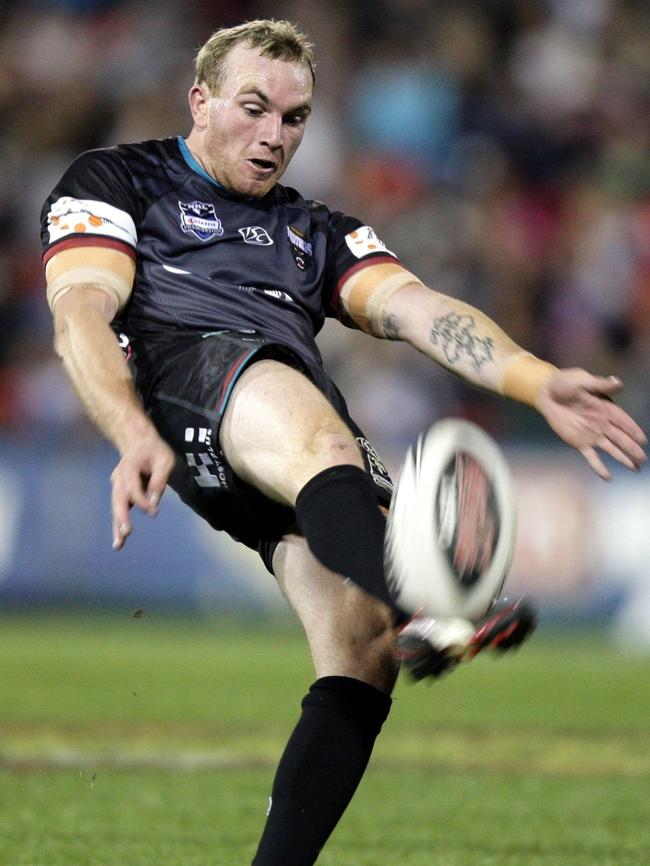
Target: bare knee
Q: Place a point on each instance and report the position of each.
(366, 643)
(350, 632)
(332, 443)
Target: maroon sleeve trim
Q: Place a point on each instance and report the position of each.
(75, 241)
(364, 263)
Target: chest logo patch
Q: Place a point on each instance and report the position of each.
(200, 218)
(256, 235)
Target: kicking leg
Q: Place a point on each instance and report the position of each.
(282, 436)
(351, 638)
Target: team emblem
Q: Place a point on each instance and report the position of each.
(200, 218)
(302, 250)
(256, 235)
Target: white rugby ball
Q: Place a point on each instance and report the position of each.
(451, 525)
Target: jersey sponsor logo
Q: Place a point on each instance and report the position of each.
(302, 250)
(69, 216)
(363, 241)
(256, 235)
(200, 218)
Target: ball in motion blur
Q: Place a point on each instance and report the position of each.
(451, 525)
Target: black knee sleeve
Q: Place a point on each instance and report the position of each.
(338, 514)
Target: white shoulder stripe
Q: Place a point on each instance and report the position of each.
(75, 215)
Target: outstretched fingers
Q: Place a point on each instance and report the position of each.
(591, 456)
(616, 435)
(579, 408)
(628, 428)
(622, 438)
(605, 387)
(625, 449)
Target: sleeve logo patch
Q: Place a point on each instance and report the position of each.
(363, 242)
(70, 216)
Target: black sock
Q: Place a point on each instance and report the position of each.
(320, 769)
(337, 513)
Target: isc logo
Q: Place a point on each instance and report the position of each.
(256, 235)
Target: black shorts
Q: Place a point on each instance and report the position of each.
(186, 391)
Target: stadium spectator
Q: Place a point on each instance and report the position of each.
(507, 226)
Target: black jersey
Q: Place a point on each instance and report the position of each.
(207, 260)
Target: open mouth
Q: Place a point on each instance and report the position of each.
(263, 164)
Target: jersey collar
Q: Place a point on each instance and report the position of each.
(190, 159)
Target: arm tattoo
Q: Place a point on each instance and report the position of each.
(390, 327)
(454, 335)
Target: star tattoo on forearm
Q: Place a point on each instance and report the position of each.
(454, 334)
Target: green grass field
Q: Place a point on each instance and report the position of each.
(152, 742)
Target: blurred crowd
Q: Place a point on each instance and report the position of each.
(501, 148)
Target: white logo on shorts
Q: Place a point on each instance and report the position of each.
(376, 467)
(210, 471)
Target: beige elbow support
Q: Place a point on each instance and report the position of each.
(524, 376)
(364, 295)
(114, 285)
(109, 270)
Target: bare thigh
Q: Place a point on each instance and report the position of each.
(350, 633)
(279, 431)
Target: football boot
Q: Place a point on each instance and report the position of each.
(428, 647)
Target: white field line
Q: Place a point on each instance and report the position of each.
(68, 758)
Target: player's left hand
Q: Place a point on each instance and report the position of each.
(579, 408)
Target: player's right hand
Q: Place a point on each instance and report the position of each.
(139, 480)
(578, 406)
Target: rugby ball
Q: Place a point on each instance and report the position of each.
(451, 525)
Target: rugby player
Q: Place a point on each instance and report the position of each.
(187, 288)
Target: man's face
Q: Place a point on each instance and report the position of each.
(256, 121)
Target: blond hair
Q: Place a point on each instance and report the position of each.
(279, 40)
